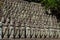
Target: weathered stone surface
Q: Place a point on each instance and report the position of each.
(28, 20)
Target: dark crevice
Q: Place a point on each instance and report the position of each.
(37, 1)
(55, 13)
(1, 14)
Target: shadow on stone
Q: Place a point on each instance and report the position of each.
(37, 1)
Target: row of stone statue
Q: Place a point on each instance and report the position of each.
(27, 32)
